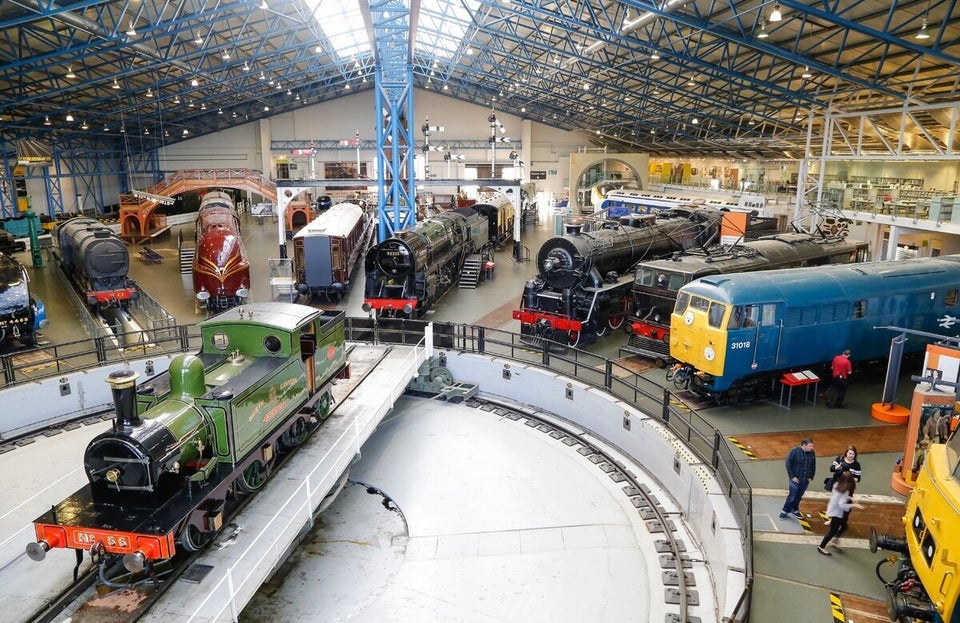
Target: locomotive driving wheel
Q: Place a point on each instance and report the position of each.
(194, 539)
(253, 477)
(323, 406)
(296, 434)
(615, 321)
(573, 338)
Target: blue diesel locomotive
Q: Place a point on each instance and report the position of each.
(734, 333)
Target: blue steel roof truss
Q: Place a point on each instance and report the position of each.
(579, 65)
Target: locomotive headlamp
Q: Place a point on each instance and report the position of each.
(407, 308)
(112, 475)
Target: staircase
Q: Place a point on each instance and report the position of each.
(186, 259)
(530, 214)
(470, 273)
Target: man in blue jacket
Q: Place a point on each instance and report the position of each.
(801, 468)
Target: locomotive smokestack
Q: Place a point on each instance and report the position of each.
(123, 383)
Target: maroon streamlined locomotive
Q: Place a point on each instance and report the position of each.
(221, 270)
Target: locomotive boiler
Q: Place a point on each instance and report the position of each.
(221, 270)
(96, 261)
(657, 282)
(188, 443)
(584, 279)
(327, 249)
(408, 273)
(734, 334)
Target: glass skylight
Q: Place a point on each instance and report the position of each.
(442, 28)
(342, 23)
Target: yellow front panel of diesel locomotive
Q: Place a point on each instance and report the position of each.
(932, 535)
(698, 336)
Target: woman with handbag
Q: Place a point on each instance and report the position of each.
(838, 510)
(846, 462)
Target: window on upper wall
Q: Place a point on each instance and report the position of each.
(859, 309)
(951, 298)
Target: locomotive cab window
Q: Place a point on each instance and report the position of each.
(698, 302)
(683, 299)
(744, 316)
(272, 344)
(308, 345)
(220, 340)
(715, 314)
(645, 277)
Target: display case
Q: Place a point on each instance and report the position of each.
(945, 209)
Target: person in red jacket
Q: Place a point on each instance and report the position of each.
(841, 369)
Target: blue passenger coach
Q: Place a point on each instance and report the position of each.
(736, 331)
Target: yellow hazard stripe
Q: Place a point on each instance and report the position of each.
(743, 448)
(836, 607)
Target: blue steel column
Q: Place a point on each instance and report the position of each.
(394, 102)
(8, 194)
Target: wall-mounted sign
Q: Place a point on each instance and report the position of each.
(538, 175)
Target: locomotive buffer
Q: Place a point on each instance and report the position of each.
(246, 553)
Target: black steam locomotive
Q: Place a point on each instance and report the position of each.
(583, 286)
(96, 261)
(409, 272)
